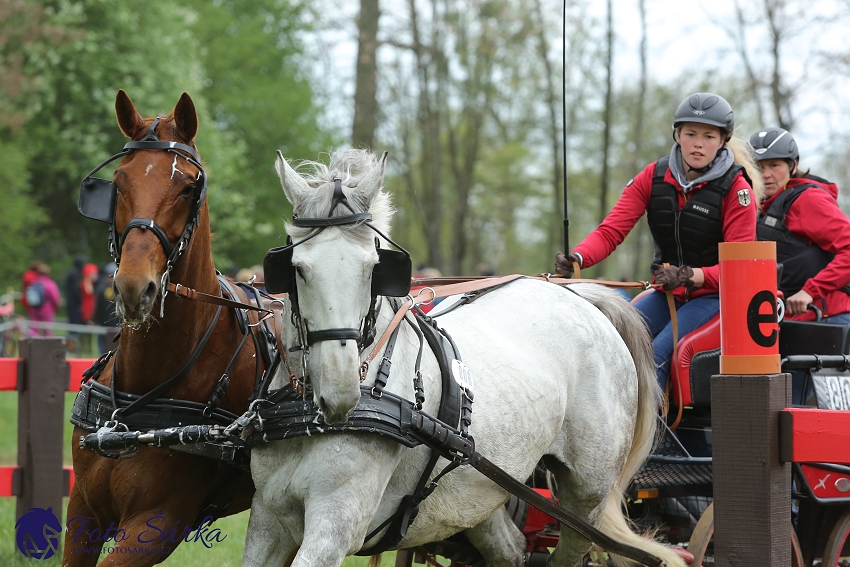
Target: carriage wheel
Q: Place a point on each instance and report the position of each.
(835, 544)
(704, 534)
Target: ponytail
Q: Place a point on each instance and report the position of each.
(741, 151)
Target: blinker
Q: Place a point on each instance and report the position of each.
(390, 276)
(97, 199)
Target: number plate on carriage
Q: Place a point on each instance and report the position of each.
(833, 390)
(462, 375)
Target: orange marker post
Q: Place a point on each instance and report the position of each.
(749, 331)
(752, 487)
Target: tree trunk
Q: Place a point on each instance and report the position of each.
(606, 133)
(429, 122)
(554, 230)
(365, 94)
(637, 136)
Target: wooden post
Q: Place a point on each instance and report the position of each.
(752, 488)
(41, 416)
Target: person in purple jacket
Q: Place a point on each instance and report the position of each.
(43, 299)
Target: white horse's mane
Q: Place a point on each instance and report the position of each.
(351, 165)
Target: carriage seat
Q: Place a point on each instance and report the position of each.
(698, 353)
(698, 359)
(813, 337)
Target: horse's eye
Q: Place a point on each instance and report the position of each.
(188, 190)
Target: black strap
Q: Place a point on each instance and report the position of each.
(332, 335)
(148, 224)
(566, 517)
(151, 145)
(171, 382)
(331, 221)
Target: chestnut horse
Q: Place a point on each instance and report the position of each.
(113, 499)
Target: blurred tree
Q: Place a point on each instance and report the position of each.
(22, 26)
(365, 93)
(71, 124)
(251, 67)
(479, 70)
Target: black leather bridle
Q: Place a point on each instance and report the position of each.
(280, 274)
(98, 199)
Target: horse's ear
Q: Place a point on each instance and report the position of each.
(129, 119)
(293, 184)
(186, 118)
(371, 184)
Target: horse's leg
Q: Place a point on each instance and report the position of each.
(266, 542)
(150, 536)
(331, 531)
(498, 539)
(80, 551)
(584, 495)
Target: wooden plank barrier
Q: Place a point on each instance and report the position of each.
(41, 376)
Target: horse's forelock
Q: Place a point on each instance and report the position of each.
(351, 166)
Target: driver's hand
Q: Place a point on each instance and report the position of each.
(797, 303)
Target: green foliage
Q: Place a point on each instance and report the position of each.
(64, 60)
(108, 45)
(251, 56)
(20, 218)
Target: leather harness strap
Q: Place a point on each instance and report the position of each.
(189, 293)
(554, 278)
(674, 370)
(577, 524)
(465, 285)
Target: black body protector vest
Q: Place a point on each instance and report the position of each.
(688, 236)
(800, 260)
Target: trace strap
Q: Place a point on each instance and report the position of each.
(574, 522)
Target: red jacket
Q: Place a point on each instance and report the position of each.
(815, 217)
(739, 224)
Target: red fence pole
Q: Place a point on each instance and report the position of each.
(41, 416)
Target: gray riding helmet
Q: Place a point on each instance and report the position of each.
(706, 108)
(774, 143)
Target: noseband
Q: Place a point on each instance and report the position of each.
(98, 199)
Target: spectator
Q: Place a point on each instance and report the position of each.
(29, 276)
(104, 304)
(74, 300)
(87, 285)
(42, 299)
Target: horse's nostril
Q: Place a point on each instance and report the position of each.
(150, 292)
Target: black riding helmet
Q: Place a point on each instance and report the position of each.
(774, 143)
(706, 108)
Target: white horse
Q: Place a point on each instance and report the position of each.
(552, 375)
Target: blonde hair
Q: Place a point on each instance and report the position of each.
(743, 156)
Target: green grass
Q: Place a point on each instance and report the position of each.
(227, 553)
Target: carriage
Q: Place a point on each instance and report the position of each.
(672, 493)
(326, 344)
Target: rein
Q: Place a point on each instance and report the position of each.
(445, 287)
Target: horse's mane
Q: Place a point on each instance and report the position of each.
(350, 165)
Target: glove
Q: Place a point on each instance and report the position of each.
(671, 277)
(564, 264)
